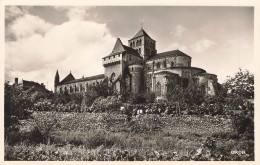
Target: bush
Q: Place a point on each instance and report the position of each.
(243, 124)
(109, 104)
(138, 99)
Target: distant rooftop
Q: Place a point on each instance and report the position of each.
(100, 76)
(141, 33)
(167, 54)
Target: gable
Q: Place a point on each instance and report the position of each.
(118, 46)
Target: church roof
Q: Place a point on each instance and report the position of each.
(205, 74)
(68, 78)
(165, 72)
(131, 51)
(167, 54)
(57, 74)
(141, 33)
(100, 76)
(119, 47)
(137, 63)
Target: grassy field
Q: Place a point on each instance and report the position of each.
(104, 136)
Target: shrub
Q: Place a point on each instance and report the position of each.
(109, 104)
(138, 99)
(243, 124)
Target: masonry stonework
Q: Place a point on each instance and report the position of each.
(138, 68)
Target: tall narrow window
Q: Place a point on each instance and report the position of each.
(172, 64)
(130, 58)
(158, 65)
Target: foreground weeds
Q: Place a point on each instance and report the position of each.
(104, 136)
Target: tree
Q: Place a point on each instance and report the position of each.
(240, 85)
(189, 95)
(16, 101)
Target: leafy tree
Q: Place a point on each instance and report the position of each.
(189, 95)
(240, 85)
(16, 100)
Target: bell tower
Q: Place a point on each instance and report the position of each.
(143, 44)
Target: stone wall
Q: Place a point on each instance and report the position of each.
(136, 72)
(208, 83)
(78, 87)
(164, 82)
(169, 62)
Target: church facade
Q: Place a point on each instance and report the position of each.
(138, 68)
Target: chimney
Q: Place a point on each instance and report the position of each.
(16, 81)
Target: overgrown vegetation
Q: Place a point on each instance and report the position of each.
(187, 127)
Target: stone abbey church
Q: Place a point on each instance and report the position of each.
(138, 68)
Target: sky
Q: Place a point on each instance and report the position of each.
(39, 40)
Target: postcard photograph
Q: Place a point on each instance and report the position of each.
(129, 83)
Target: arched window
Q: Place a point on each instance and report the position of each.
(71, 91)
(158, 89)
(75, 88)
(139, 50)
(80, 88)
(112, 77)
(203, 88)
(172, 64)
(131, 44)
(158, 65)
(164, 63)
(65, 90)
(140, 42)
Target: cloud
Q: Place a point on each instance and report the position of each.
(179, 30)
(28, 25)
(12, 12)
(77, 13)
(41, 48)
(202, 45)
(175, 46)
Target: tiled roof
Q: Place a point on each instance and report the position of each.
(131, 51)
(137, 63)
(141, 33)
(169, 53)
(119, 47)
(165, 72)
(100, 76)
(69, 77)
(206, 74)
